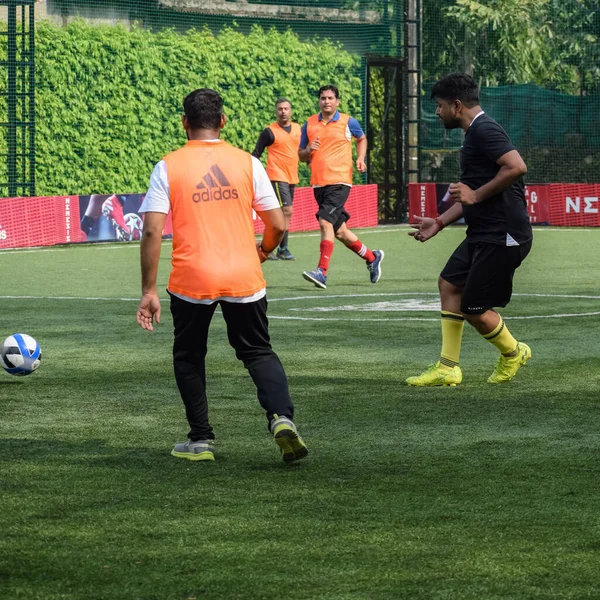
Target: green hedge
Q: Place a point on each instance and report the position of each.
(109, 99)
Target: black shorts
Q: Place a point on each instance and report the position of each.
(331, 200)
(485, 272)
(284, 192)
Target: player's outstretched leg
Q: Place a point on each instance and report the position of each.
(373, 258)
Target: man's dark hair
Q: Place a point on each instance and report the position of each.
(281, 100)
(203, 109)
(327, 88)
(457, 86)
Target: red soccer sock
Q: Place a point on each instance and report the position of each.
(362, 251)
(326, 252)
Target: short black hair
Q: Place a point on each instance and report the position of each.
(332, 88)
(457, 86)
(281, 100)
(203, 109)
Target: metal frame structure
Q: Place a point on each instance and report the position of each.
(20, 99)
(393, 143)
(413, 52)
(387, 168)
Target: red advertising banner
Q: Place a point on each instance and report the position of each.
(422, 200)
(47, 221)
(567, 204)
(574, 204)
(44, 221)
(361, 205)
(51, 220)
(537, 203)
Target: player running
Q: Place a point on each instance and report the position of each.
(327, 145)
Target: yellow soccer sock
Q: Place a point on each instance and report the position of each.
(502, 338)
(452, 330)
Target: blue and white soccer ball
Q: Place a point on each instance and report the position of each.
(20, 354)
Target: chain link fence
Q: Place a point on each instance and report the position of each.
(101, 105)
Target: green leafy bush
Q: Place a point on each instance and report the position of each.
(109, 99)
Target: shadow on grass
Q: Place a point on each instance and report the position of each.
(97, 454)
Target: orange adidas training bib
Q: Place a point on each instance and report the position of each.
(332, 162)
(214, 248)
(282, 154)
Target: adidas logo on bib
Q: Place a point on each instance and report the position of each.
(214, 186)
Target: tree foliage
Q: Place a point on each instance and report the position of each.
(552, 43)
(109, 99)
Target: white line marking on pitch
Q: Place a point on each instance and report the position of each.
(98, 246)
(435, 320)
(321, 296)
(69, 298)
(422, 294)
(111, 245)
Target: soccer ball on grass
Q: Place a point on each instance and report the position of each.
(20, 354)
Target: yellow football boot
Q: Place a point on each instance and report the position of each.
(507, 366)
(437, 375)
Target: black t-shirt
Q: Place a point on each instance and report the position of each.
(503, 218)
(265, 139)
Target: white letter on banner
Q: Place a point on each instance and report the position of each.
(573, 204)
(67, 219)
(588, 205)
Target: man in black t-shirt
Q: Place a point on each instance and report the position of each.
(479, 274)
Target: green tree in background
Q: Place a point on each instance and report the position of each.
(552, 43)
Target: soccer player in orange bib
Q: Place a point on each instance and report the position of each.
(211, 189)
(281, 140)
(326, 144)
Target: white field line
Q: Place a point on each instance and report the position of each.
(376, 319)
(293, 298)
(70, 298)
(111, 245)
(435, 320)
(97, 246)
(421, 294)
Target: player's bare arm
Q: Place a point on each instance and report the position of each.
(512, 168)
(305, 153)
(274, 229)
(426, 227)
(361, 146)
(149, 306)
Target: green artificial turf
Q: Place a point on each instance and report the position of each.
(478, 492)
